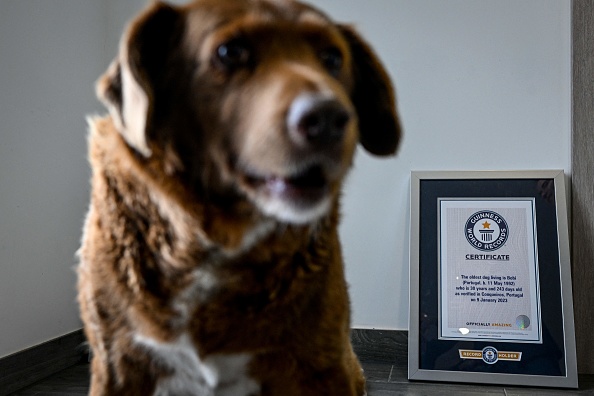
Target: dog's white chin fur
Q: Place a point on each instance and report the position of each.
(289, 212)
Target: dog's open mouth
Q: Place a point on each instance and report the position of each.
(301, 189)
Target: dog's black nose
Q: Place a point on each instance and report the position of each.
(316, 121)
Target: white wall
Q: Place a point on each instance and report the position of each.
(481, 84)
(50, 54)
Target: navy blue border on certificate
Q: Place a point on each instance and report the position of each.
(546, 359)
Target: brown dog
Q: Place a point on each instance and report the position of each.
(210, 262)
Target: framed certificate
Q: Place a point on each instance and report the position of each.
(490, 279)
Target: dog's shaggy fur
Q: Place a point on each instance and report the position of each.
(210, 262)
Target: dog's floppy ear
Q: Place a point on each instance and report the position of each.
(128, 87)
(373, 97)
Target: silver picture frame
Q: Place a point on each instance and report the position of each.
(490, 350)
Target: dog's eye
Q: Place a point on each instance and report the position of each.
(233, 54)
(332, 60)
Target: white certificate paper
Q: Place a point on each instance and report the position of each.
(488, 270)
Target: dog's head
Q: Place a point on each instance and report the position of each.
(255, 100)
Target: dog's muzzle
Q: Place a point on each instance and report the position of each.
(301, 189)
(316, 121)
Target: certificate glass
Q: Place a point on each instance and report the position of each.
(489, 287)
(490, 279)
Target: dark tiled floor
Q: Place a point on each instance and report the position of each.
(383, 379)
(391, 380)
(72, 382)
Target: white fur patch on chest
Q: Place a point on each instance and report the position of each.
(215, 375)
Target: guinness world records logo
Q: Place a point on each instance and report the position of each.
(486, 230)
(490, 355)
